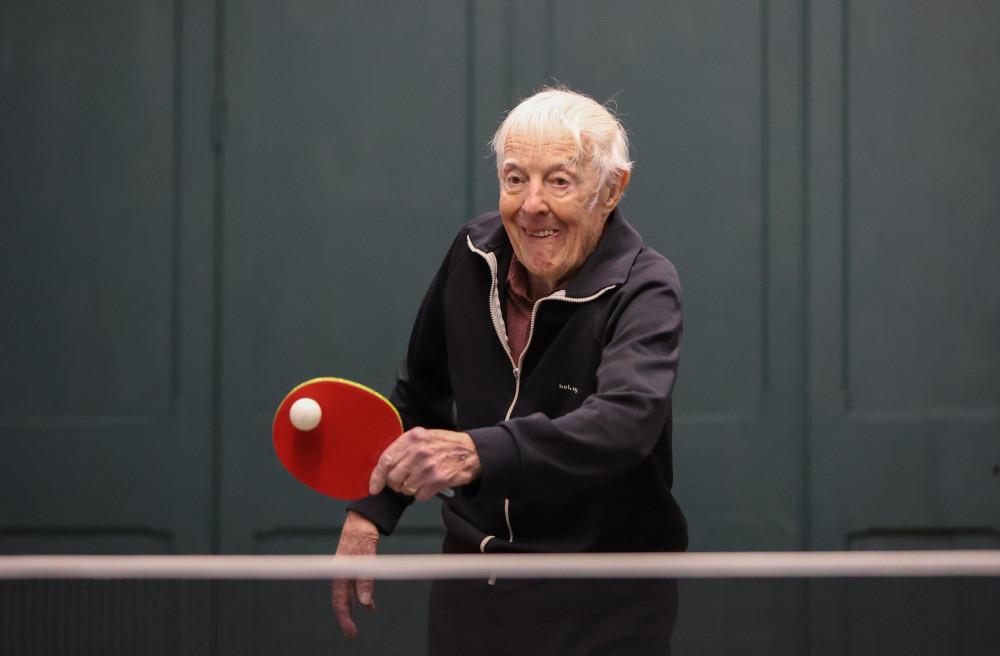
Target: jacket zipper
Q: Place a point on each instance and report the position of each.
(501, 332)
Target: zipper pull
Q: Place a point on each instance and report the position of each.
(517, 372)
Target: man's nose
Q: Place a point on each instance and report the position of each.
(536, 200)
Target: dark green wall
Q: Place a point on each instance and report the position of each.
(202, 206)
(106, 265)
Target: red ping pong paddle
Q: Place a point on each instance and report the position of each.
(337, 456)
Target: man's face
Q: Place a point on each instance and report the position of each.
(548, 209)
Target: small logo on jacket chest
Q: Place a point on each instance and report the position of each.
(569, 388)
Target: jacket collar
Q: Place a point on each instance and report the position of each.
(607, 266)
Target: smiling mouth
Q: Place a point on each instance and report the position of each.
(541, 233)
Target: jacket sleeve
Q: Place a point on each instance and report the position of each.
(422, 393)
(615, 428)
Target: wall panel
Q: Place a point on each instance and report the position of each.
(924, 156)
(906, 400)
(904, 394)
(103, 419)
(345, 175)
(693, 84)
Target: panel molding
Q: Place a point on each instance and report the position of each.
(323, 539)
(82, 155)
(77, 421)
(846, 371)
(87, 539)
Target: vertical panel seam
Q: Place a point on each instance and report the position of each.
(805, 416)
(218, 261)
(176, 196)
(508, 48)
(845, 189)
(549, 40)
(470, 109)
(765, 197)
(806, 235)
(218, 337)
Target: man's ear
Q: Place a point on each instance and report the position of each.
(616, 189)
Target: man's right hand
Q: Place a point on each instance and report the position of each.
(359, 537)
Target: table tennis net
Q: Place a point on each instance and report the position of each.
(900, 602)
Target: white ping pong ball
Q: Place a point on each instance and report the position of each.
(305, 414)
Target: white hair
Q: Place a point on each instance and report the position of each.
(601, 142)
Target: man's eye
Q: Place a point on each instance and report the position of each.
(514, 180)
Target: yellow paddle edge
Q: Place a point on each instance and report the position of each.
(353, 384)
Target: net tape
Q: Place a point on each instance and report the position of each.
(540, 566)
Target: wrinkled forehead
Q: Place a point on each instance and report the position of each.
(551, 144)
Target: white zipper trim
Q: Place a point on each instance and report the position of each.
(501, 330)
(495, 311)
(554, 296)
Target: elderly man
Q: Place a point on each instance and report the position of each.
(537, 385)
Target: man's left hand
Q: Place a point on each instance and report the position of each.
(424, 461)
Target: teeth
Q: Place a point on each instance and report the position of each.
(541, 233)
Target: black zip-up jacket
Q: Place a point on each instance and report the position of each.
(575, 439)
